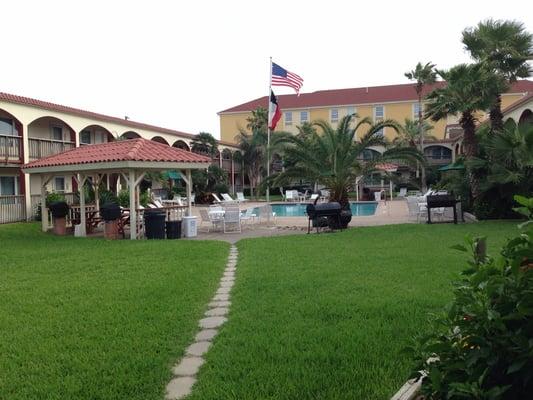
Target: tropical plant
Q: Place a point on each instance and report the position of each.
(482, 343)
(506, 160)
(423, 75)
(205, 143)
(470, 88)
(334, 158)
(505, 48)
(205, 182)
(258, 120)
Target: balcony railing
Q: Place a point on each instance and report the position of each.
(437, 160)
(10, 148)
(12, 209)
(40, 148)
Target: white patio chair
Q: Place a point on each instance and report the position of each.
(313, 197)
(291, 195)
(240, 197)
(217, 199)
(266, 213)
(324, 195)
(232, 217)
(403, 192)
(416, 209)
(248, 216)
(213, 222)
(303, 197)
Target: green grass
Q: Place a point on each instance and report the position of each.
(96, 319)
(327, 316)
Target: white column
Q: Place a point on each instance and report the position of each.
(27, 182)
(232, 175)
(189, 184)
(83, 215)
(133, 208)
(44, 210)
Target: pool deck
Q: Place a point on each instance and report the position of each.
(387, 213)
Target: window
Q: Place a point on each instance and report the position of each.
(8, 186)
(6, 127)
(350, 110)
(379, 115)
(59, 184)
(288, 118)
(304, 116)
(334, 115)
(85, 137)
(416, 109)
(437, 153)
(57, 133)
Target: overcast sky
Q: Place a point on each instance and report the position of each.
(177, 63)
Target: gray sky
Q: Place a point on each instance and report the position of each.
(176, 64)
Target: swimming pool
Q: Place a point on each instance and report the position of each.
(298, 210)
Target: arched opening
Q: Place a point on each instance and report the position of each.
(526, 117)
(370, 154)
(48, 136)
(215, 160)
(10, 137)
(130, 135)
(159, 139)
(438, 154)
(226, 160)
(94, 134)
(456, 149)
(180, 144)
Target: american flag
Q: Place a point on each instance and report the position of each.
(282, 77)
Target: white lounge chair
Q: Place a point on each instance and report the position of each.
(227, 198)
(313, 197)
(240, 197)
(291, 195)
(217, 199)
(324, 195)
(232, 217)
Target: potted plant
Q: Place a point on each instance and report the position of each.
(111, 213)
(59, 211)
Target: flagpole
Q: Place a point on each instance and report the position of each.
(268, 132)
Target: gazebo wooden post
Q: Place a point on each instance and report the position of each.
(44, 210)
(189, 191)
(83, 214)
(133, 208)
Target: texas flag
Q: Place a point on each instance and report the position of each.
(274, 112)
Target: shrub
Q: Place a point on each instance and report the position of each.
(483, 342)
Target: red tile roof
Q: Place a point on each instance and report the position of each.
(363, 95)
(121, 150)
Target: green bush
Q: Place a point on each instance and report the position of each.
(483, 342)
(53, 198)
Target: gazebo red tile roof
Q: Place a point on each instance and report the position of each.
(121, 150)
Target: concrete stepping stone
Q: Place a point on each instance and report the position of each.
(220, 304)
(228, 284)
(230, 269)
(180, 387)
(224, 290)
(217, 312)
(198, 349)
(206, 335)
(230, 274)
(212, 322)
(227, 279)
(189, 366)
(221, 297)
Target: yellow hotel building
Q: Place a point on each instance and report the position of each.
(396, 102)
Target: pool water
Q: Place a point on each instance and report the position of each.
(298, 210)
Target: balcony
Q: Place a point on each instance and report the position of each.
(40, 148)
(438, 160)
(10, 148)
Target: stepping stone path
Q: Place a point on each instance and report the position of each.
(185, 371)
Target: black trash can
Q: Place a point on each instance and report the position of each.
(173, 229)
(154, 222)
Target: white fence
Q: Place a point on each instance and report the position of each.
(12, 209)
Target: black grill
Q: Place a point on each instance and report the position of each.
(324, 214)
(442, 201)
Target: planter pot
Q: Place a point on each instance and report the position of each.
(60, 226)
(59, 209)
(111, 230)
(110, 212)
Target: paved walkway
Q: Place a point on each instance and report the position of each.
(186, 370)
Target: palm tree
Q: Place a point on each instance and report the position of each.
(505, 48)
(333, 158)
(258, 120)
(423, 75)
(205, 143)
(470, 88)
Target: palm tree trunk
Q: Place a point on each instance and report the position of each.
(496, 116)
(471, 150)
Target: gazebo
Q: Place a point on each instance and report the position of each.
(129, 158)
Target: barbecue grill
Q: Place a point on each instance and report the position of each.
(324, 214)
(442, 201)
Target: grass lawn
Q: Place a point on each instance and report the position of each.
(327, 316)
(96, 319)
